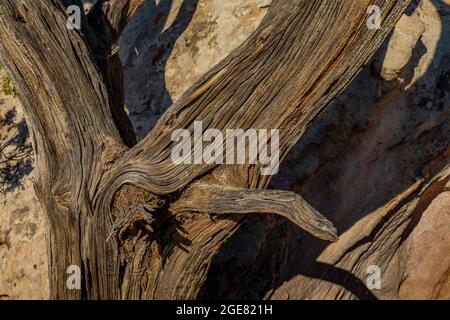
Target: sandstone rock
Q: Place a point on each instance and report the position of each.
(406, 35)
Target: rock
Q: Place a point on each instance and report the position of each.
(406, 35)
(426, 273)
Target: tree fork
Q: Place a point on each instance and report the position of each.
(92, 185)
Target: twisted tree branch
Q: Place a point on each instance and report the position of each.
(216, 200)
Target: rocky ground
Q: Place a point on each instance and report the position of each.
(388, 132)
(23, 258)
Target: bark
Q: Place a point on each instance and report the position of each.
(140, 226)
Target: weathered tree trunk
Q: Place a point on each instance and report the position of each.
(139, 225)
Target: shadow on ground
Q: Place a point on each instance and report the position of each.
(15, 151)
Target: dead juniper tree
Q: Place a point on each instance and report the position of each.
(136, 223)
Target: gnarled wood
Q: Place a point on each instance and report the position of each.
(216, 201)
(304, 53)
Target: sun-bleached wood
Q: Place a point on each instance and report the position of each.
(94, 182)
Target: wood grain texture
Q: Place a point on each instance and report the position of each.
(92, 184)
(217, 201)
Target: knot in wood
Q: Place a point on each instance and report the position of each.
(134, 211)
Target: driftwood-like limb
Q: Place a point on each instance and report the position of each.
(73, 133)
(215, 200)
(103, 26)
(304, 53)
